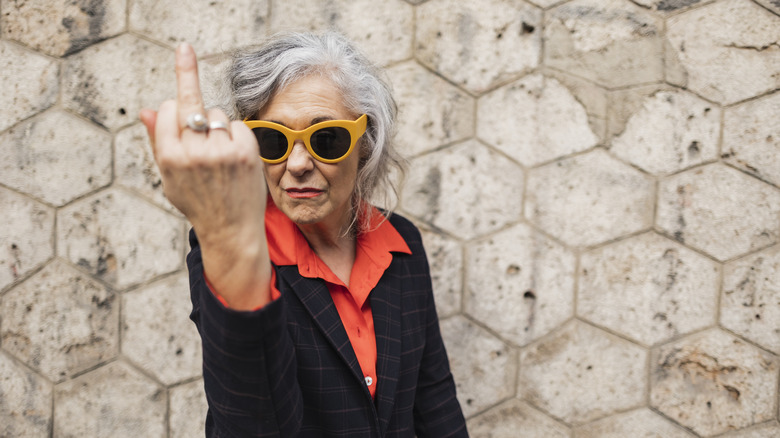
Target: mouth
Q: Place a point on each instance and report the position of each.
(303, 192)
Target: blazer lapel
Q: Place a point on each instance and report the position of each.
(314, 295)
(386, 309)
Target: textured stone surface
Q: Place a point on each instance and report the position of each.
(448, 188)
(157, 334)
(478, 45)
(750, 304)
(713, 382)
(719, 210)
(110, 82)
(114, 400)
(611, 42)
(751, 137)
(648, 288)
(598, 373)
(26, 238)
(188, 410)
(640, 423)
(384, 34)
(119, 239)
(134, 165)
(56, 157)
(238, 22)
(515, 417)
(520, 283)
(768, 430)
(29, 83)
(431, 112)
(729, 49)
(61, 27)
(533, 120)
(60, 322)
(672, 131)
(669, 6)
(25, 401)
(445, 257)
(589, 199)
(484, 368)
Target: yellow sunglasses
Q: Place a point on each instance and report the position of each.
(330, 141)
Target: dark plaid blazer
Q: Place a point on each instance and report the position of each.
(288, 370)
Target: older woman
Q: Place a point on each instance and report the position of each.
(315, 309)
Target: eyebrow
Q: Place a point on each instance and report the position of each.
(314, 121)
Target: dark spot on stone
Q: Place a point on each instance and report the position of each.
(469, 401)
(28, 308)
(758, 316)
(179, 351)
(707, 110)
(589, 367)
(13, 246)
(529, 294)
(709, 405)
(693, 148)
(122, 111)
(513, 270)
(671, 5)
(678, 236)
(661, 316)
(438, 34)
(499, 35)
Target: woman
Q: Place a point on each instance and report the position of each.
(315, 310)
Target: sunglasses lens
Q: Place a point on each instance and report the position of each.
(273, 144)
(330, 143)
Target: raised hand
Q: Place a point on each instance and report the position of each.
(212, 173)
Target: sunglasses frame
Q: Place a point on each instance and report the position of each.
(356, 129)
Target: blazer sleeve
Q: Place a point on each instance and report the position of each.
(437, 412)
(249, 367)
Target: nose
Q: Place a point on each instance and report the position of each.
(299, 161)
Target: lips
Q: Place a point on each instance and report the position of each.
(303, 192)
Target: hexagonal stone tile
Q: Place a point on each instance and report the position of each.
(589, 199)
(61, 27)
(719, 210)
(29, 82)
(750, 303)
(611, 42)
(119, 238)
(157, 332)
(520, 283)
(60, 322)
(478, 45)
(445, 257)
(383, 30)
(187, 416)
(466, 189)
(484, 368)
(431, 112)
(648, 288)
(25, 405)
(135, 168)
(593, 98)
(713, 382)
(640, 423)
(114, 400)
(27, 236)
(110, 82)
(582, 373)
(728, 48)
(209, 26)
(508, 419)
(625, 103)
(672, 131)
(768, 430)
(534, 120)
(751, 137)
(56, 157)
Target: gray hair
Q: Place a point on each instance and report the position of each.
(257, 74)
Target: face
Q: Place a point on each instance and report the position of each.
(306, 190)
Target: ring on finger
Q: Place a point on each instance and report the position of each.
(197, 122)
(218, 125)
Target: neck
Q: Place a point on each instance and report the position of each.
(335, 247)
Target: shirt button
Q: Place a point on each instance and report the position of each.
(369, 381)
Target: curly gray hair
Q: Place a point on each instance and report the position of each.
(257, 74)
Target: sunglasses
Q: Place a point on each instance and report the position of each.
(330, 141)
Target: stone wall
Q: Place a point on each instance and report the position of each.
(597, 182)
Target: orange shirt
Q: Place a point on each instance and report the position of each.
(373, 255)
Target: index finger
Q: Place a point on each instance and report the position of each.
(188, 97)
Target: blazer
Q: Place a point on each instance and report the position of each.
(288, 369)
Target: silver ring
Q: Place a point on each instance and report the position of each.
(197, 122)
(218, 125)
